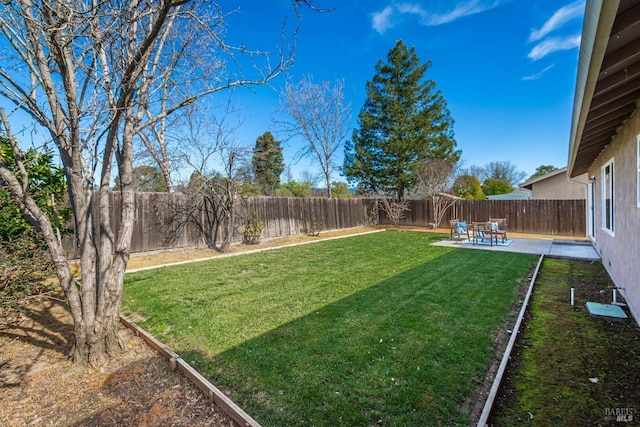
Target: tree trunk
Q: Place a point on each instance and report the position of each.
(328, 181)
(224, 248)
(166, 172)
(213, 217)
(229, 218)
(96, 334)
(83, 77)
(97, 345)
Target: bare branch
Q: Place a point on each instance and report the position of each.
(319, 115)
(395, 209)
(309, 4)
(434, 179)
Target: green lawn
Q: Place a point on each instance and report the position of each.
(382, 326)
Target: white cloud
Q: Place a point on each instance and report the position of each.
(558, 19)
(390, 15)
(382, 20)
(462, 9)
(539, 74)
(410, 8)
(553, 44)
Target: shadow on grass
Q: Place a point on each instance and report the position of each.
(408, 350)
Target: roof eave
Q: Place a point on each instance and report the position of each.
(598, 21)
(529, 183)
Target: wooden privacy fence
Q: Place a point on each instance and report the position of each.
(286, 216)
(164, 220)
(555, 217)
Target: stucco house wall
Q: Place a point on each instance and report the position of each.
(620, 250)
(560, 187)
(556, 185)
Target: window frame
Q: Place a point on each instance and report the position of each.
(608, 205)
(638, 169)
(591, 208)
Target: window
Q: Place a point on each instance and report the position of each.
(591, 203)
(638, 174)
(608, 203)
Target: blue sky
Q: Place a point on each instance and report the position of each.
(506, 68)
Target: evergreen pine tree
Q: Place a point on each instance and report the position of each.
(268, 163)
(403, 122)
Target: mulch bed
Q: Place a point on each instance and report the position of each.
(40, 386)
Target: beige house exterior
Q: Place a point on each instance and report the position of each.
(556, 185)
(605, 138)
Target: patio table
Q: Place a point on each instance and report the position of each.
(482, 230)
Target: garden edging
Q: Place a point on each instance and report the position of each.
(211, 391)
(486, 411)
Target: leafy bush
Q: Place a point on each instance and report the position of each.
(493, 186)
(24, 266)
(24, 262)
(468, 187)
(46, 185)
(252, 231)
(294, 188)
(340, 190)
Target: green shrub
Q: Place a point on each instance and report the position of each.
(47, 186)
(252, 231)
(24, 261)
(24, 266)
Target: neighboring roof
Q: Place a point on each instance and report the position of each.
(517, 194)
(608, 81)
(529, 183)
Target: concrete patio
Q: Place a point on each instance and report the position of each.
(560, 248)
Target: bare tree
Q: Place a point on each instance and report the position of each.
(91, 74)
(503, 171)
(162, 92)
(156, 144)
(218, 162)
(434, 178)
(308, 176)
(395, 209)
(219, 192)
(319, 114)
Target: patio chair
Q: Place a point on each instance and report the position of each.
(459, 228)
(499, 228)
